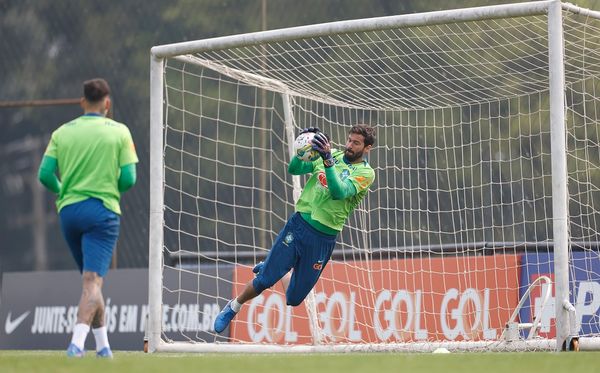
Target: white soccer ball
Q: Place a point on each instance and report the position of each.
(303, 147)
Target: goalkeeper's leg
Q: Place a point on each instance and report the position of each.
(268, 274)
(232, 307)
(279, 262)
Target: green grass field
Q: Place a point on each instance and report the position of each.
(131, 362)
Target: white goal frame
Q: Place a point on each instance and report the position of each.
(552, 8)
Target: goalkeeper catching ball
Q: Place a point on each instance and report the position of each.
(339, 181)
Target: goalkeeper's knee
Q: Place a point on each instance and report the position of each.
(259, 284)
(294, 301)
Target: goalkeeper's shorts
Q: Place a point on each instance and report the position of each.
(301, 247)
(91, 231)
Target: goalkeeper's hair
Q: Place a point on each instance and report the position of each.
(366, 131)
(95, 90)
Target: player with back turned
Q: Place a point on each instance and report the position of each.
(96, 159)
(339, 182)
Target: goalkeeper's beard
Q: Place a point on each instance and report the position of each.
(352, 156)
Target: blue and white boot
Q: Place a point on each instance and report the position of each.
(74, 351)
(224, 317)
(105, 353)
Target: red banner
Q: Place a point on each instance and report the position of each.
(424, 299)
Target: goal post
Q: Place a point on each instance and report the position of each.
(559, 169)
(482, 229)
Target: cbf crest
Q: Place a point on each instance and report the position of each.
(288, 238)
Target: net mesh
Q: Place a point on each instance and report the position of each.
(459, 220)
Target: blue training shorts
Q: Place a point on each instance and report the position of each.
(91, 231)
(301, 247)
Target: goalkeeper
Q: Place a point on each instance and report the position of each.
(339, 181)
(96, 159)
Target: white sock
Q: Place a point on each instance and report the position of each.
(235, 305)
(80, 332)
(101, 338)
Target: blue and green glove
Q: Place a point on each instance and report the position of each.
(310, 129)
(322, 145)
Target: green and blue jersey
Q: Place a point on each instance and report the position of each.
(316, 199)
(90, 151)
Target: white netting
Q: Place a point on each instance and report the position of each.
(459, 220)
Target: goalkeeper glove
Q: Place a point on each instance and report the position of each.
(321, 144)
(310, 129)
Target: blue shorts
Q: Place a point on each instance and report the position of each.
(301, 247)
(91, 231)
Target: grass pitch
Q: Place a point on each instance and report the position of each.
(132, 362)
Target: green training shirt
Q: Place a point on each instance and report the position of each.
(90, 151)
(317, 201)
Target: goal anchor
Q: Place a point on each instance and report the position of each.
(571, 343)
(512, 329)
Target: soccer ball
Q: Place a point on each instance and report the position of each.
(303, 147)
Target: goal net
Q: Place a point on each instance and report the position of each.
(481, 231)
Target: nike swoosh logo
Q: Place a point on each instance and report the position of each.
(11, 325)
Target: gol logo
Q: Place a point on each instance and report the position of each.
(318, 265)
(323, 179)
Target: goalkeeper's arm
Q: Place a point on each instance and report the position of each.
(337, 188)
(299, 167)
(47, 174)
